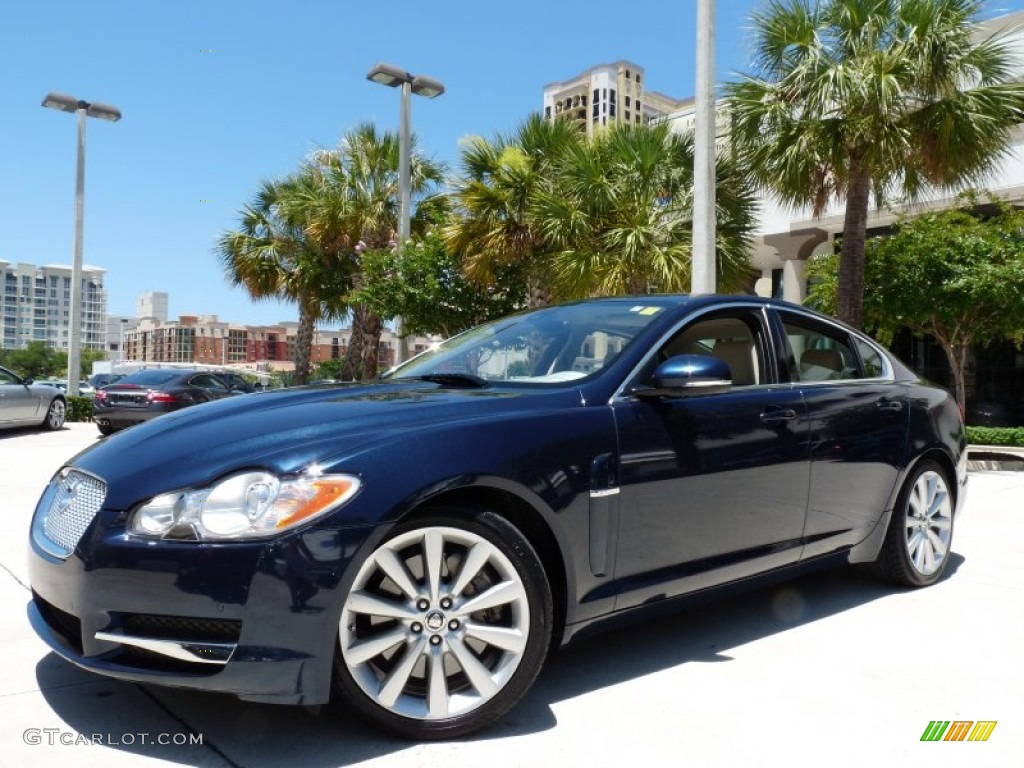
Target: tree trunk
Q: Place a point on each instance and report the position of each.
(361, 356)
(372, 328)
(537, 292)
(352, 369)
(956, 356)
(851, 258)
(303, 343)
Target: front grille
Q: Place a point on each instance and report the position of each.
(190, 628)
(76, 499)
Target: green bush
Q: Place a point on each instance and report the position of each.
(79, 409)
(995, 435)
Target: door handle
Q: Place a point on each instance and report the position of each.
(890, 406)
(778, 416)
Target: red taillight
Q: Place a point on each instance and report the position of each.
(100, 394)
(161, 397)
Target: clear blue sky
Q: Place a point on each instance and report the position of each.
(220, 94)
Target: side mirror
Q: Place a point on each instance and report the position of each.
(689, 375)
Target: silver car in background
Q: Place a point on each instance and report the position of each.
(27, 404)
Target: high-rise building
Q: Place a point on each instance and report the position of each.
(152, 304)
(35, 305)
(608, 94)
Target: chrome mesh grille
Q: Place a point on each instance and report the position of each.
(76, 499)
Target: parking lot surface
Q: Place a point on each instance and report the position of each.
(832, 669)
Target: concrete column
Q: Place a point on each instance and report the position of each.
(794, 280)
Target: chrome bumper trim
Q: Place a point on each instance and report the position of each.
(182, 650)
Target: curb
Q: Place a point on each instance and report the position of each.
(995, 458)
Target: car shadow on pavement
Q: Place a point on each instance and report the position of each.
(240, 733)
(13, 432)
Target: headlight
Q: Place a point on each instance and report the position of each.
(245, 506)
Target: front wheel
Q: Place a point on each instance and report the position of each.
(917, 546)
(55, 414)
(445, 627)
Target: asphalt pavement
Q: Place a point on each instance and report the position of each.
(832, 670)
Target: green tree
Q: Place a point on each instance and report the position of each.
(88, 357)
(494, 198)
(425, 283)
(854, 99)
(357, 203)
(278, 253)
(36, 360)
(954, 276)
(618, 215)
(329, 369)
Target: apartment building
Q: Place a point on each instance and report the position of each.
(35, 305)
(207, 340)
(608, 94)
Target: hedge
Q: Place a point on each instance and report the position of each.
(995, 435)
(79, 409)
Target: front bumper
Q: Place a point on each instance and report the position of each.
(256, 619)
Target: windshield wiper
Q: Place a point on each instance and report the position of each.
(454, 379)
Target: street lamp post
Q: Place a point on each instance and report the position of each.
(702, 279)
(392, 76)
(82, 109)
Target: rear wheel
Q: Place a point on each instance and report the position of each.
(105, 429)
(445, 626)
(917, 546)
(55, 414)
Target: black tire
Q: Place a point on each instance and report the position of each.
(468, 693)
(56, 414)
(924, 508)
(105, 429)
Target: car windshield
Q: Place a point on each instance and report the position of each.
(544, 346)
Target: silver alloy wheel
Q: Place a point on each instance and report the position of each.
(55, 416)
(929, 523)
(436, 623)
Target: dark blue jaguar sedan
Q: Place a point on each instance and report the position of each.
(420, 544)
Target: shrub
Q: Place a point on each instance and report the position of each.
(79, 409)
(995, 435)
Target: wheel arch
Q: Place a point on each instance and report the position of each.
(867, 550)
(943, 459)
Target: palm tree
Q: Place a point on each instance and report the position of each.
(618, 215)
(358, 205)
(493, 225)
(851, 99)
(273, 256)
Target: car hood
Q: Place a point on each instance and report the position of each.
(287, 430)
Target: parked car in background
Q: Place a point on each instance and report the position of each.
(418, 545)
(84, 388)
(238, 383)
(98, 380)
(25, 403)
(60, 384)
(147, 394)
